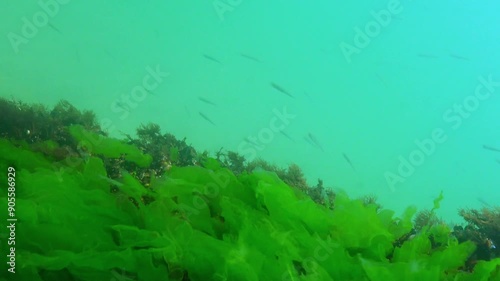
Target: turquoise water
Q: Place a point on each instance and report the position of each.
(366, 80)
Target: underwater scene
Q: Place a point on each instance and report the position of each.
(236, 140)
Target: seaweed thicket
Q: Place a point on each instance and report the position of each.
(151, 207)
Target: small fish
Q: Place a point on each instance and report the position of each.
(455, 56)
(349, 161)
(122, 106)
(250, 57)
(307, 139)
(315, 142)
(206, 118)
(308, 96)
(77, 55)
(280, 89)
(287, 136)
(206, 101)
(498, 161)
(382, 80)
(55, 28)
(459, 57)
(109, 54)
(151, 93)
(491, 148)
(211, 58)
(483, 202)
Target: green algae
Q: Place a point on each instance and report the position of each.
(108, 147)
(206, 223)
